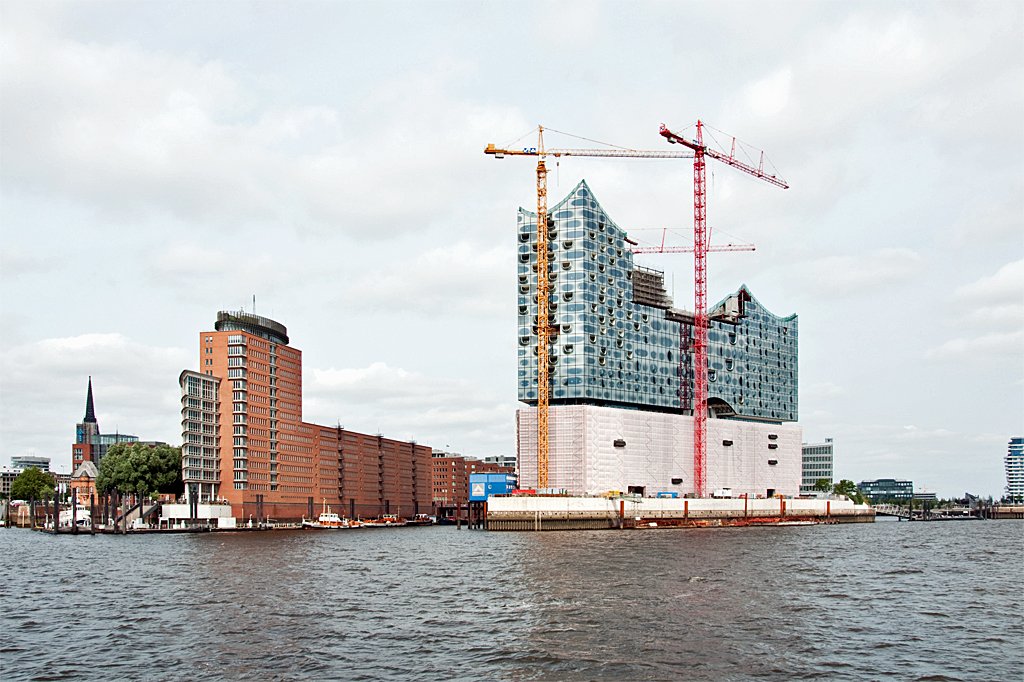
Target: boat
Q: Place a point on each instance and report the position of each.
(421, 520)
(329, 520)
(386, 521)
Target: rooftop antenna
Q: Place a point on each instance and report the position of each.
(254, 304)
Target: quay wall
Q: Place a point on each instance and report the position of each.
(590, 513)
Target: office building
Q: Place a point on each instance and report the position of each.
(621, 371)
(244, 440)
(817, 464)
(24, 462)
(1015, 469)
(884, 489)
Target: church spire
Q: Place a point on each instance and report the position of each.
(90, 413)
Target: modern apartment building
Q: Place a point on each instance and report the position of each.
(1015, 469)
(245, 442)
(621, 361)
(817, 464)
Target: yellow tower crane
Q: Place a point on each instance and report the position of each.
(543, 281)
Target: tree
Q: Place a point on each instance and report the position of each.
(848, 488)
(138, 468)
(822, 485)
(32, 484)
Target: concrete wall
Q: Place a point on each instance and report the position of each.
(583, 459)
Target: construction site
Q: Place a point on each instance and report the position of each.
(629, 397)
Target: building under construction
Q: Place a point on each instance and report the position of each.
(621, 372)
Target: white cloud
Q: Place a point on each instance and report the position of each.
(983, 349)
(770, 95)
(1008, 282)
(845, 275)
(435, 410)
(459, 277)
(130, 131)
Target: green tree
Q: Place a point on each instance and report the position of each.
(141, 469)
(848, 488)
(822, 485)
(32, 484)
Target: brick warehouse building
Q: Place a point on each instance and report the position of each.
(244, 441)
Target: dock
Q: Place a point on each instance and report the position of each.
(536, 513)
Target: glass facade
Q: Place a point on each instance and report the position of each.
(617, 340)
(884, 489)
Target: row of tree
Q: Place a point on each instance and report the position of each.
(128, 467)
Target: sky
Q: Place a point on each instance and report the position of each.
(160, 162)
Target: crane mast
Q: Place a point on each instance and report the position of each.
(543, 287)
(700, 285)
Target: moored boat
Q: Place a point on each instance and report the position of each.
(386, 521)
(330, 521)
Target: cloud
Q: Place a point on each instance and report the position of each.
(847, 275)
(44, 384)
(984, 349)
(434, 410)
(1007, 282)
(15, 262)
(770, 95)
(130, 131)
(459, 277)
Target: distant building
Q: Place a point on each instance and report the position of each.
(887, 489)
(83, 482)
(817, 464)
(7, 477)
(1015, 468)
(90, 445)
(502, 460)
(24, 462)
(451, 473)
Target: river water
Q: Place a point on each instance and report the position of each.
(900, 601)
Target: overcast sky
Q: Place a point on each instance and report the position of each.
(163, 161)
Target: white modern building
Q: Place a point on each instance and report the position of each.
(1015, 468)
(817, 464)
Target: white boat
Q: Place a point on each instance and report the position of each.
(81, 518)
(328, 520)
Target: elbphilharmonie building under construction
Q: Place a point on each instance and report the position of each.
(621, 373)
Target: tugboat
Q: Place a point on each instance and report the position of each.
(421, 520)
(330, 520)
(386, 521)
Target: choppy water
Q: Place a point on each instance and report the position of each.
(900, 601)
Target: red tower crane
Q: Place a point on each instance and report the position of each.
(700, 282)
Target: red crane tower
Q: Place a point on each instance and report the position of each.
(700, 282)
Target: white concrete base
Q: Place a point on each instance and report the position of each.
(583, 458)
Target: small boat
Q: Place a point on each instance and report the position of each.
(330, 520)
(386, 521)
(421, 520)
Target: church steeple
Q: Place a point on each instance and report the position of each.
(90, 413)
